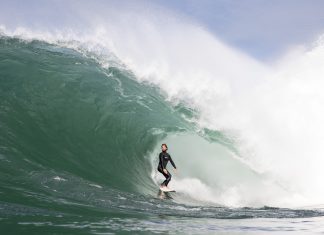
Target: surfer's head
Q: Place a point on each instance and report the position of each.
(164, 147)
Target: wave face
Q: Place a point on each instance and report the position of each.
(62, 113)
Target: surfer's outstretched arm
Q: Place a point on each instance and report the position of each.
(174, 166)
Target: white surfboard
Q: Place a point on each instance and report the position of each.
(167, 190)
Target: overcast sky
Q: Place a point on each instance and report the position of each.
(263, 29)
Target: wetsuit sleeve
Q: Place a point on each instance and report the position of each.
(172, 162)
(161, 161)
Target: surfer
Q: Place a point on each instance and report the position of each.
(164, 157)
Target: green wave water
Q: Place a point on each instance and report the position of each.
(77, 149)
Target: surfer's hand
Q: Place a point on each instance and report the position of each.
(165, 171)
(175, 170)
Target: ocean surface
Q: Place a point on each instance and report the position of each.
(79, 145)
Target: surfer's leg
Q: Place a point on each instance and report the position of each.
(166, 181)
(168, 178)
(165, 175)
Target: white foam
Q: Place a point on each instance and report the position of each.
(95, 185)
(59, 178)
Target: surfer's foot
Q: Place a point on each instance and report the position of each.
(163, 186)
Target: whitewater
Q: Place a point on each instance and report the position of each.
(86, 103)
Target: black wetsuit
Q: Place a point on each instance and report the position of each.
(164, 157)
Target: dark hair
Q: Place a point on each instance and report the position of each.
(164, 145)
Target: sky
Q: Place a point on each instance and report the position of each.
(263, 29)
